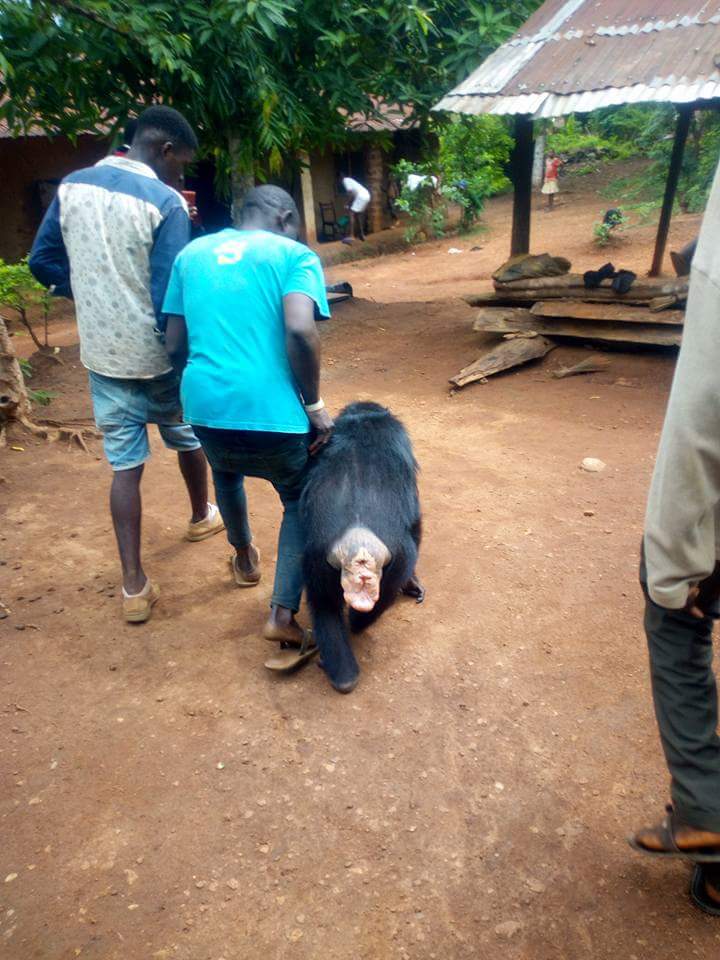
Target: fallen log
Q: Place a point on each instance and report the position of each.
(653, 334)
(509, 353)
(618, 312)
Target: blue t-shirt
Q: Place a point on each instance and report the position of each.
(229, 287)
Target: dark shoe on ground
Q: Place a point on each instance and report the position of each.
(705, 889)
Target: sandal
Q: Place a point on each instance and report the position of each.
(699, 894)
(291, 656)
(666, 834)
(239, 577)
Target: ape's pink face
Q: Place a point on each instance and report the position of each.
(360, 580)
(360, 556)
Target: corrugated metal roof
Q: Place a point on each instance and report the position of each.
(578, 55)
(383, 116)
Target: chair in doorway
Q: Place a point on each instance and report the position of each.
(329, 226)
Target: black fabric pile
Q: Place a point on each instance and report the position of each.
(622, 280)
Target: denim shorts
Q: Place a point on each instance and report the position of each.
(124, 408)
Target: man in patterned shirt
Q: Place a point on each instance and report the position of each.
(109, 240)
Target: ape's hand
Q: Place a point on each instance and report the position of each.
(321, 424)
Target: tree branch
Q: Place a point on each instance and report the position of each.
(87, 15)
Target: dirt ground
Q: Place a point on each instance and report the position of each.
(163, 796)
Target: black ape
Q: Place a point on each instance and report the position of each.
(361, 515)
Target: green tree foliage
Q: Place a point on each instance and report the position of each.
(21, 293)
(261, 79)
(471, 161)
(646, 130)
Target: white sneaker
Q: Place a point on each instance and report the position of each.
(208, 527)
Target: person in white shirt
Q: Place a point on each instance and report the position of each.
(357, 203)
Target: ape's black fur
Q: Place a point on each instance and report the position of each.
(366, 476)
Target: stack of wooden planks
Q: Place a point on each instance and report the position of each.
(650, 312)
(532, 314)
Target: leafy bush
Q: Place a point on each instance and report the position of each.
(578, 140)
(604, 230)
(20, 291)
(649, 129)
(470, 165)
(422, 205)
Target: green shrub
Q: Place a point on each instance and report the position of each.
(19, 292)
(471, 161)
(604, 232)
(578, 140)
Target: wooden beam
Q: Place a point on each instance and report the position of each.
(648, 333)
(617, 312)
(681, 131)
(521, 165)
(308, 198)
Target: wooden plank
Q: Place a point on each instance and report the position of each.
(506, 314)
(520, 298)
(509, 353)
(619, 312)
(650, 333)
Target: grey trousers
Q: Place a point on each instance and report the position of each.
(686, 707)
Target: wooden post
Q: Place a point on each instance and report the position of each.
(375, 169)
(308, 198)
(521, 165)
(681, 131)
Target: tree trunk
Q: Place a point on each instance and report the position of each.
(14, 402)
(538, 161)
(242, 176)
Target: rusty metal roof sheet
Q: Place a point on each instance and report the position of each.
(578, 55)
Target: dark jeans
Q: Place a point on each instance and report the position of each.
(281, 458)
(686, 707)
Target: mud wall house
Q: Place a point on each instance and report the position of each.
(374, 142)
(31, 168)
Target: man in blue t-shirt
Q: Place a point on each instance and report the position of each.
(241, 326)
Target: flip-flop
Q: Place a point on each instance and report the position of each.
(290, 658)
(238, 576)
(670, 850)
(699, 895)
